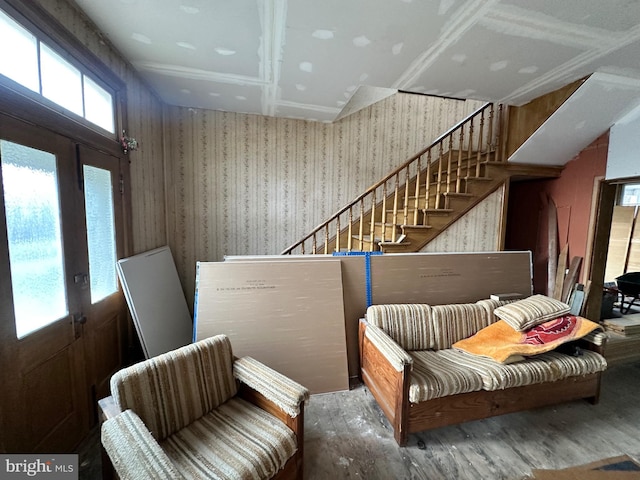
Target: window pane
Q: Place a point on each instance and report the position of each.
(101, 232)
(98, 105)
(32, 207)
(19, 62)
(61, 81)
(631, 194)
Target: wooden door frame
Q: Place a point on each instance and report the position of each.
(603, 201)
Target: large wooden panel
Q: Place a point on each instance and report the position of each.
(619, 241)
(440, 278)
(634, 249)
(288, 315)
(354, 283)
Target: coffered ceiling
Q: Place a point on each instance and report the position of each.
(308, 59)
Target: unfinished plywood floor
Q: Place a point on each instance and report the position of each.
(347, 436)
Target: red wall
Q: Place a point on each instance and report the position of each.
(527, 218)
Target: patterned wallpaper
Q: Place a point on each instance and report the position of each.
(478, 230)
(211, 183)
(250, 185)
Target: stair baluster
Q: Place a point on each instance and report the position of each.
(449, 161)
(396, 194)
(439, 178)
(416, 202)
(372, 230)
(459, 167)
(383, 216)
(361, 229)
(490, 134)
(405, 206)
(480, 144)
(469, 154)
(350, 236)
(427, 184)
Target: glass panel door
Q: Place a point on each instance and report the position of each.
(44, 400)
(106, 312)
(32, 208)
(101, 232)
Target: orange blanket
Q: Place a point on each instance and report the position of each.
(506, 345)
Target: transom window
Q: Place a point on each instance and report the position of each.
(32, 63)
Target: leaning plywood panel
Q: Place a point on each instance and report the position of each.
(288, 315)
(440, 278)
(354, 289)
(619, 241)
(156, 301)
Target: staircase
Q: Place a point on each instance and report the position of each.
(416, 202)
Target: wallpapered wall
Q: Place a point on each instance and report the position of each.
(478, 230)
(213, 183)
(144, 115)
(250, 185)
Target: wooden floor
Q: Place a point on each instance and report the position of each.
(347, 436)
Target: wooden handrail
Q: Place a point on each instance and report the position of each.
(448, 180)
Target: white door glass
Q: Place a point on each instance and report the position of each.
(101, 232)
(32, 207)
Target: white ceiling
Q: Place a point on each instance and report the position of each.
(307, 58)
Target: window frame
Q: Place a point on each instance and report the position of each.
(25, 104)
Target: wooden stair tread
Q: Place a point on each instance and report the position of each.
(437, 211)
(458, 194)
(481, 179)
(417, 227)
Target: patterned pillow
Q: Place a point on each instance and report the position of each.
(525, 314)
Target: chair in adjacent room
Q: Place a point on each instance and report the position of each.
(198, 412)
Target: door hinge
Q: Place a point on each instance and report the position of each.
(121, 185)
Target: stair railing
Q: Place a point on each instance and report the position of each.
(439, 170)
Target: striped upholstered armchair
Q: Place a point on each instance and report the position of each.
(197, 412)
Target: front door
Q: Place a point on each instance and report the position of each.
(62, 318)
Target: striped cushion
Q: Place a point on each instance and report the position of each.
(546, 367)
(457, 321)
(134, 453)
(170, 391)
(437, 374)
(281, 390)
(395, 355)
(407, 324)
(525, 314)
(235, 441)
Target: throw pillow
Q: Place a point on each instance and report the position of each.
(525, 314)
